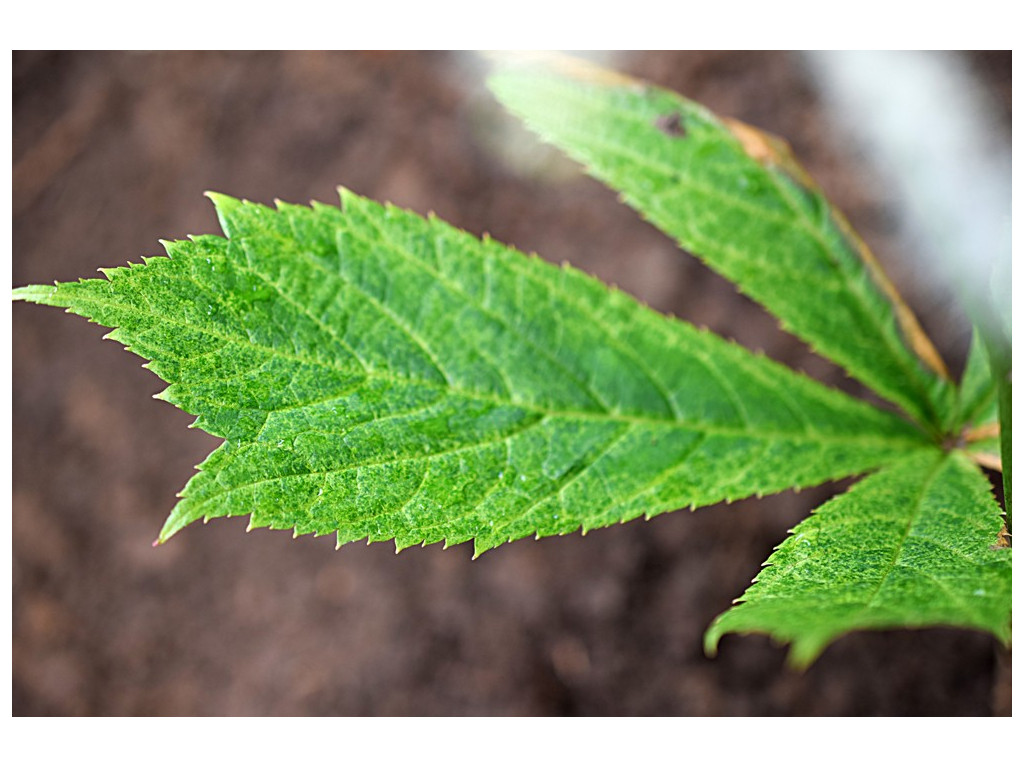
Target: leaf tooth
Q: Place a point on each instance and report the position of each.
(408, 541)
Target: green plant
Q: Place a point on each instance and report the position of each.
(383, 376)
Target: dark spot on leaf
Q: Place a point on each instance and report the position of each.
(671, 125)
(953, 442)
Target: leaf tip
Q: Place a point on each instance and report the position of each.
(36, 294)
(711, 638)
(174, 523)
(557, 64)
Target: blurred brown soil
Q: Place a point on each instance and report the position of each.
(112, 151)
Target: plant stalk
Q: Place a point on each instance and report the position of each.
(1000, 362)
(1004, 441)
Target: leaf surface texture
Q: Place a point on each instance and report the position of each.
(382, 376)
(735, 197)
(917, 544)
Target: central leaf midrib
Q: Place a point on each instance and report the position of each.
(429, 457)
(387, 376)
(800, 219)
(912, 517)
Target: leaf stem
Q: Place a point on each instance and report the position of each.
(1000, 361)
(1004, 441)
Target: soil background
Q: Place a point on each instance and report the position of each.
(113, 150)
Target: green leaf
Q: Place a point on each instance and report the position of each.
(977, 403)
(917, 544)
(735, 197)
(977, 428)
(380, 375)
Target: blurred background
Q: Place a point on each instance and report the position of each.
(112, 151)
